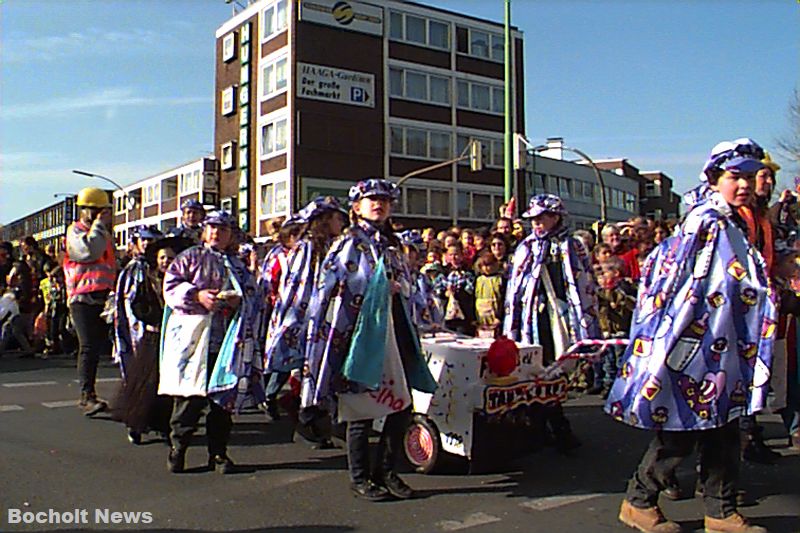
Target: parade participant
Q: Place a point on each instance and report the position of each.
(191, 227)
(700, 351)
(363, 351)
(550, 297)
(89, 274)
(210, 347)
(425, 309)
(322, 220)
(137, 323)
(20, 282)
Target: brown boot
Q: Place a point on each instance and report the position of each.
(649, 520)
(734, 523)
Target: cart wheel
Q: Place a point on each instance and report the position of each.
(422, 445)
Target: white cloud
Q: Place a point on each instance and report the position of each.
(92, 41)
(107, 99)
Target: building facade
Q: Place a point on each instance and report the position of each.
(314, 95)
(659, 201)
(47, 225)
(157, 200)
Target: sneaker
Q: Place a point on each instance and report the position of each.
(369, 491)
(176, 460)
(396, 486)
(648, 520)
(221, 463)
(134, 437)
(93, 406)
(734, 523)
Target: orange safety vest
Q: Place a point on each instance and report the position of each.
(83, 278)
(754, 223)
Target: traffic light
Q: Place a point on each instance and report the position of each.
(476, 156)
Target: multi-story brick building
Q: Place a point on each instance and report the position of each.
(157, 200)
(657, 200)
(315, 94)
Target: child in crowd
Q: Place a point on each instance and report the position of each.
(457, 287)
(602, 253)
(468, 246)
(616, 299)
(489, 293)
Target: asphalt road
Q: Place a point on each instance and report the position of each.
(52, 457)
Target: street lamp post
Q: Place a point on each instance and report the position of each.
(98, 176)
(597, 174)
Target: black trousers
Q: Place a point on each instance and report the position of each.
(389, 446)
(92, 332)
(186, 414)
(719, 467)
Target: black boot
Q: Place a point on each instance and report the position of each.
(755, 450)
(395, 486)
(176, 460)
(367, 490)
(221, 463)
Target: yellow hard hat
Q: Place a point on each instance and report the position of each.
(770, 164)
(93, 197)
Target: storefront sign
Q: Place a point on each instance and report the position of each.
(329, 84)
(346, 15)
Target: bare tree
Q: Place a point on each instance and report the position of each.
(789, 144)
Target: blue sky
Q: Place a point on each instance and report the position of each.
(125, 89)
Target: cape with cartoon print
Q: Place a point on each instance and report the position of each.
(702, 332)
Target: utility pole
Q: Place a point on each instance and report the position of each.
(507, 166)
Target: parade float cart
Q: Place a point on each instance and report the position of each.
(474, 414)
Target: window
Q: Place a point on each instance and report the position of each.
(273, 19)
(228, 105)
(564, 187)
(273, 138)
(415, 142)
(421, 86)
(478, 44)
(481, 97)
(482, 44)
(652, 189)
(229, 47)
(274, 198)
(630, 202)
(417, 201)
(419, 30)
(169, 189)
(440, 203)
(273, 77)
(151, 194)
(226, 162)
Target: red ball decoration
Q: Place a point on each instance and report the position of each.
(503, 356)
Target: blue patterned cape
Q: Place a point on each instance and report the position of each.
(522, 291)
(285, 345)
(134, 284)
(237, 373)
(703, 329)
(334, 308)
(425, 308)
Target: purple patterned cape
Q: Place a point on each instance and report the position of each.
(285, 345)
(425, 309)
(238, 370)
(522, 291)
(138, 305)
(703, 329)
(336, 302)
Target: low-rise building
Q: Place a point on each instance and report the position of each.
(157, 200)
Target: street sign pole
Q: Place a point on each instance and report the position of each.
(507, 145)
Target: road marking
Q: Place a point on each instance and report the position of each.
(475, 519)
(101, 380)
(553, 502)
(29, 384)
(62, 403)
(8, 408)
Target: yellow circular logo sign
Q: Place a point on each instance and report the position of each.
(343, 13)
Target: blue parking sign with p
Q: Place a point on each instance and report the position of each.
(358, 94)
